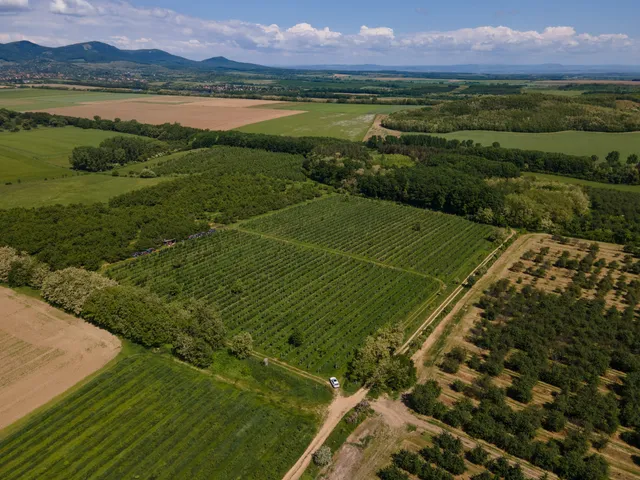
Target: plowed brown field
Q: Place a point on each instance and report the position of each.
(43, 352)
(197, 112)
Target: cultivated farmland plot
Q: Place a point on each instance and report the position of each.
(151, 417)
(427, 242)
(271, 288)
(349, 268)
(43, 352)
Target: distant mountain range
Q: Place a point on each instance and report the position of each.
(98, 52)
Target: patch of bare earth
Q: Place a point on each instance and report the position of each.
(379, 130)
(197, 112)
(44, 352)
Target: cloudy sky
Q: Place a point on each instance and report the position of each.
(287, 32)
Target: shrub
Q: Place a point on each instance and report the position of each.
(477, 455)
(392, 473)
(296, 339)
(424, 397)
(70, 288)
(193, 350)
(241, 345)
(322, 456)
(147, 173)
(8, 255)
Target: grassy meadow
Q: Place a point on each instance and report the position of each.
(149, 416)
(27, 99)
(338, 120)
(43, 152)
(570, 142)
(86, 188)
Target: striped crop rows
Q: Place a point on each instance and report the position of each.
(271, 288)
(432, 243)
(150, 417)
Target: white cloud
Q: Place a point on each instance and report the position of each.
(79, 8)
(551, 40)
(384, 32)
(128, 26)
(13, 5)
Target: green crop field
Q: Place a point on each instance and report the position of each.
(431, 243)
(88, 188)
(27, 99)
(272, 288)
(151, 417)
(573, 143)
(338, 120)
(44, 152)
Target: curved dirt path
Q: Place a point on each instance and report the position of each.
(377, 129)
(338, 408)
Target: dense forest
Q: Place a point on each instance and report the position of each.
(522, 113)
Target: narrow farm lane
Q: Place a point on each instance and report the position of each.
(338, 408)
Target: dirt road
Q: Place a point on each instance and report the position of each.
(450, 299)
(342, 405)
(338, 408)
(507, 258)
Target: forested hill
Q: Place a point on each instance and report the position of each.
(98, 52)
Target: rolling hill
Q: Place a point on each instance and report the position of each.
(98, 52)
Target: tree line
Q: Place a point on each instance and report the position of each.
(116, 151)
(192, 329)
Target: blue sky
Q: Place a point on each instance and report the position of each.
(286, 32)
(413, 16)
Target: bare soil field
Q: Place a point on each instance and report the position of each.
(44, 352)
(197, 112)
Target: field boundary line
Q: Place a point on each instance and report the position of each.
(338, 252)
(431, 318)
